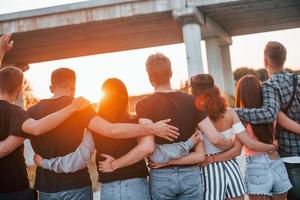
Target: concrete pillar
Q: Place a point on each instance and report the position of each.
(214, 61)
(227, 70)
(190, 20)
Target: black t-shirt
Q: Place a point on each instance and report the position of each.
(60, 141)
(177, 106)
(117, 148)
(13, 174)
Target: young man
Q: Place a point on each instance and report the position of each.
(14, 121)
(67, 137)
(277, 95)
(182, 179)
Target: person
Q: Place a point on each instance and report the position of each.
(114, 107)
(15, 124)
(280, 92)
(221, 174)
(265, 176)
(67, 137)
(182, 180)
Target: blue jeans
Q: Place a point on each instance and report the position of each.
(264, 176)
(130, 189)
(84, 193)
(176, 183)
(294, 174)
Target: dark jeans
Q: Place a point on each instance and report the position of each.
(21, 195)
(294, 175)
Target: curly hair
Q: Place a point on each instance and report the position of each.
(208, 96)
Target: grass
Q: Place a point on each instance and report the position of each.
(92, 170)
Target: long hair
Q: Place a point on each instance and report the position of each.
(208, 96)
(249, 95)
(114, 106)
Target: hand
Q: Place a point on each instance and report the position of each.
(106, 165)
(157, 165)
(37, 160)
(164, 130)
(196, 137)
(276, 145)
(204, 163)
(5, 44)
(80, 103)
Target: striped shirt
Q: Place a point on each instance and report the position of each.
(277, 92)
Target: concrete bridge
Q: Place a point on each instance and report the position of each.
(104, 26)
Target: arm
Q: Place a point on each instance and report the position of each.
(72, 162)
(127, 130)
(227, 155)
(144, 148)
(265, 114)
(288, 123)
(5, 45)
(10, 144)
(38, 127)
(213, 135)
(166, 152)
(250, 142)
(193, 158)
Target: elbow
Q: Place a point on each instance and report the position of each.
(147, 149)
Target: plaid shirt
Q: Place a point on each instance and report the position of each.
(277, 92)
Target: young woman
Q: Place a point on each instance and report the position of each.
(266, 177)
(222, 177)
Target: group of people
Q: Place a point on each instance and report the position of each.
(178, 146)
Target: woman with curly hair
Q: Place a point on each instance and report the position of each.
(222, 177)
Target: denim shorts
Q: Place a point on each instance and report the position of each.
(264, 176)
(176, 183)
(130, 189)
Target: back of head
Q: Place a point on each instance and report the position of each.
(114, 106)
(249, 95)
(11, 79)
(275, 53)
(208, 96)
(63, 78)
(159, 69)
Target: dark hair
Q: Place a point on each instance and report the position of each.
(276, 53)
(114, 105)
(249, 95)
(208, 96)
(63, 77)
(11, 78)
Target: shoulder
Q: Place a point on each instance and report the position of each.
(278, 80)
(232, 114)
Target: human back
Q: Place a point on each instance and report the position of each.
(63, 139)
(114, 107)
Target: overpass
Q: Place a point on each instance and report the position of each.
(103, 26)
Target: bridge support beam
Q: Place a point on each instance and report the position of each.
(219, 64)
(190, 20)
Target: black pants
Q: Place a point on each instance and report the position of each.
(20, 195)
(294, 175)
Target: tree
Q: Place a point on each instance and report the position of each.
(262, 74)
(29, 98)
(242, 71)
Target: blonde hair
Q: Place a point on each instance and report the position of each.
(159, 68)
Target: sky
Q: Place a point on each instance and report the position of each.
(129, 66)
